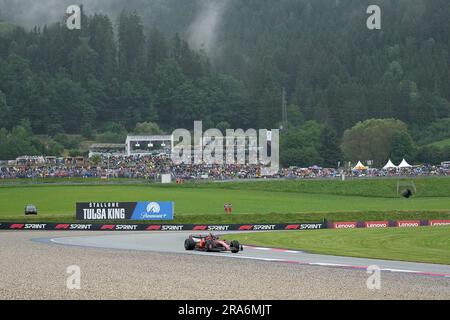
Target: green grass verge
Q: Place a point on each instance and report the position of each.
(424, 244)
(368, 187)
(72, 181)
(253, 202)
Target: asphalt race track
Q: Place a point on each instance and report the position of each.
(173, 242)
(154, 265)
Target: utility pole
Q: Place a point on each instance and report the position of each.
(107, 174)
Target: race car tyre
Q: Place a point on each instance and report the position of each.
(189, 244)
(235, 246)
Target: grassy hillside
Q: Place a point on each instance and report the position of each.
(257, 202)
(441, 144)
(373, 188)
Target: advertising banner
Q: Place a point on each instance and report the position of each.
(408, 223)
(141, 212)
(437, 223)
(125, 211)
(159, 227)
(344, 225)
(376, 224)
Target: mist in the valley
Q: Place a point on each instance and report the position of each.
(202, 32)
(29, 13)
(197, 20)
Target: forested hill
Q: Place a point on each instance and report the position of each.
(126, 68)
(334, 68)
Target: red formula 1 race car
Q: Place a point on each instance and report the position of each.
(211, 243)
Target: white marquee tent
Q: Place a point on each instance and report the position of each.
(389, 165)
(404, 164)
(360, 166)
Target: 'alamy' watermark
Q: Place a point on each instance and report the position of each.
(73, 282)
(236, 147)
(374, 21)
(74, 17)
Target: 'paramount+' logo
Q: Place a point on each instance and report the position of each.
(153, 208)
(153, 211)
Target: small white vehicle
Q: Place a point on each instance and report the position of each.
(30, 209)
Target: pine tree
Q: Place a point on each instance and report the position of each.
(102, 41)
(156, 52)
(131, 47)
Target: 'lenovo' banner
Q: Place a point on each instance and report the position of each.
(125, 211)
(376, 224)
(408, 223)
(345, 225)
(437, 223)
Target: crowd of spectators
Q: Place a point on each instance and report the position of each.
(317, 172)
(151, 167)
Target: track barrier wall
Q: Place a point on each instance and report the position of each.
(387, 224)
(159, 227)
(219, 227)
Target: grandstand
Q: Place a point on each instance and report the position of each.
(101, 149)
(135, 145)
(144, 145)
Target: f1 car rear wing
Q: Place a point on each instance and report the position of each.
(202, 236)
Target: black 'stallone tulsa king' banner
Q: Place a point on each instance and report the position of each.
(125, 211)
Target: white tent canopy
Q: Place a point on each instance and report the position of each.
(360, 166)
(390, 165)
(404, 164)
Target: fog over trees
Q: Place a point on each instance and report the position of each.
(171, 62)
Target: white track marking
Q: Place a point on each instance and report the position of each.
(399, 270)
(271, 249)
(328, 264)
